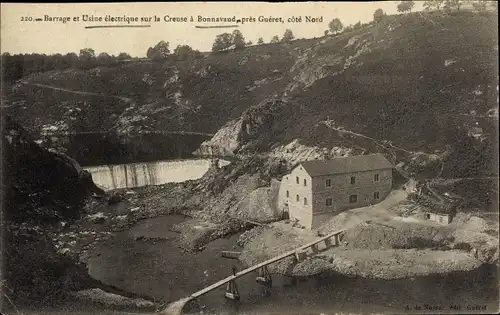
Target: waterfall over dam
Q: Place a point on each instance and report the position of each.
(110, 177)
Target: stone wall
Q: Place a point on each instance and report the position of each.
(341, 188)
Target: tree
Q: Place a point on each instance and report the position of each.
(260, 41)
(287, 36)
(238, 40)
(222, 42)
(357, 26)
(104, 58)
(160, 51)
(378, 15)
(123, 56)
(335, 26)
(87, 54)
(406, 6)
(183, 52)
(326, 32)
(348, 28)
(249, 43)
(71, 59)
(432, 4)
(275, 39)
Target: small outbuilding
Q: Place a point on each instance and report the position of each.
(443, 218)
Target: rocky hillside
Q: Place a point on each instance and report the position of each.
(192, 95)
(419, 84)
(42, 190)
(419, 88)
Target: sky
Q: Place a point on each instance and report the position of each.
(18, 36)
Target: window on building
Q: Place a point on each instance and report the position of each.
(376, 195)
(328, 183)
(297, 198)
(297, 180)
(353, 198)
(305, 182)
(287, 194)
(305, 201)
(375, 178)
(329, 201)
(353, 180)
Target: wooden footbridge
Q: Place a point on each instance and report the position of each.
(332, 239)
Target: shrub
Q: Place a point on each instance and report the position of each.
(463, 246)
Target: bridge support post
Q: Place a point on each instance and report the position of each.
(328, 242)
(300, 255)
(232, 292)
(264, 277)
(337, 240)
(314, 248)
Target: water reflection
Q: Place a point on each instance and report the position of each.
(108, 148)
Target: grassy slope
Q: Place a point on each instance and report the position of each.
(395, 86)
(400, 89)
(207, 100)
(414, 84)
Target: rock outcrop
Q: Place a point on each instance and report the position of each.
(225, 142)
(260, 205)
(42, 189)
(41, 184)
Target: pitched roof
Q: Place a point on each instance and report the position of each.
(347, 164)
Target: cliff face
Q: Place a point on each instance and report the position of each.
(42, 185)
(225, 142)
(42, 189)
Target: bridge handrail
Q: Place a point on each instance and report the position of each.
(262, 264)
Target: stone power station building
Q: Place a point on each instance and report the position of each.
(316, 190)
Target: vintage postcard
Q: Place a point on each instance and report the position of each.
(250, 158)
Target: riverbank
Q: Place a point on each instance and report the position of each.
(379, 243)
(148, 260)
(144, 243)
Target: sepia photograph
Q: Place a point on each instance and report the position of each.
(292, 158)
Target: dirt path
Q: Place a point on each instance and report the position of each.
(45, 86)
(121, 98)
(381, 143)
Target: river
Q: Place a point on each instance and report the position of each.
(160, 270)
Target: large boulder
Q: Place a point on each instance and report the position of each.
(260, 205)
